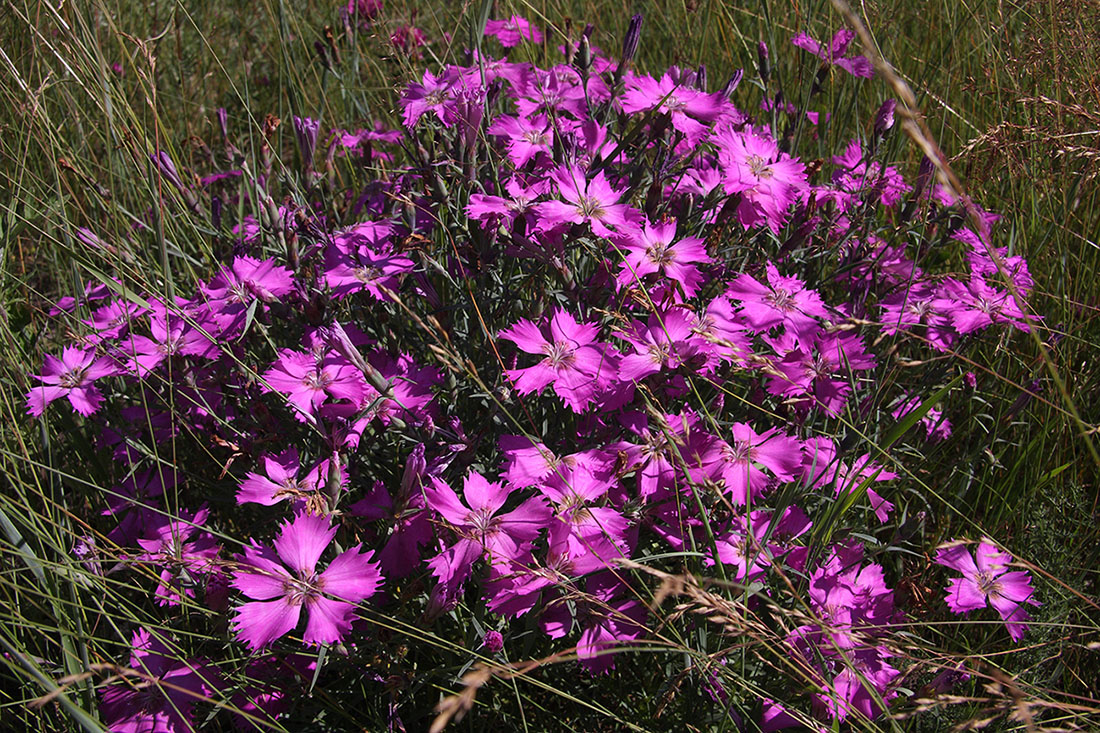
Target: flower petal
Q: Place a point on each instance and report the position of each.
(301, 542)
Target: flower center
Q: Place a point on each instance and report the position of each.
(366, 274)
(317, 380)
(659, 253)
(759, 167)
(481, 520)
(740, 451)
(72, 378)
(301, 590)
(560, 354)
(781, 299)
(987, 583)
(534, 137)
(590, 207)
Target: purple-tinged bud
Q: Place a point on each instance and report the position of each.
(924, 175)
(306, 130)
(90, 239)
(223, 123)
(582, 59)
(322, 55)
(701, 78)
(763, 66)
(167, 168)
(884, 120)
(492, 642)
(216, 212)
(339, 341)
(630, 41)
(733, 83)
(415, 468)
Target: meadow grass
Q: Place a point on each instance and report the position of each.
(1010, 90)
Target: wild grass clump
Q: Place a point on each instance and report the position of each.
(574, 395)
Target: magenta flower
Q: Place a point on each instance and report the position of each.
(519, 204)
(281, 480)
(185, 554)
(665, 341)
(284, 579)
(593, 202)
(503, 535)
(573, 361)
(690, 110)
(513, 31)
(307, 381)
(651, 250)
(784, 300)
(161, 696)
(986, 580)
(976, 306)
(71, 376)
(434, 94)
(837, 52)
(740, 463)
(528, 138)
(768, 180)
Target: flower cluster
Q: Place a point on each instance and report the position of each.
(615, 309)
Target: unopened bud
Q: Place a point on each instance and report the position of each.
(733, 83)
(582, 59)
(167, 168)
(630, 41)
(884, 120)
(764, 67)
(223, 123)
(701, 78)
(305, 132)
(924, 175)
(415, 468)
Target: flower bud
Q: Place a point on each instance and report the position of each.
(763, 66)
(701, 78)
(733, 83)
(884, 120)
(630, 41)
(492, 642)
(167, 168)
(305, 132)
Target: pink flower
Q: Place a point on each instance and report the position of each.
(987, 581)
(71, 376)
(513, 31)
(280, 593)
(690, 110)
(666, 341)
(162, 698)
(308, 381)
(740, 463)
(528, 138)
(837, 53)
(503, 535)
(593, 202)
(574, 362)
(185, 554)
(434, 94)
(976, 306)
(651, 250)
(281, 480)
(784, 300)
(768, 180)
